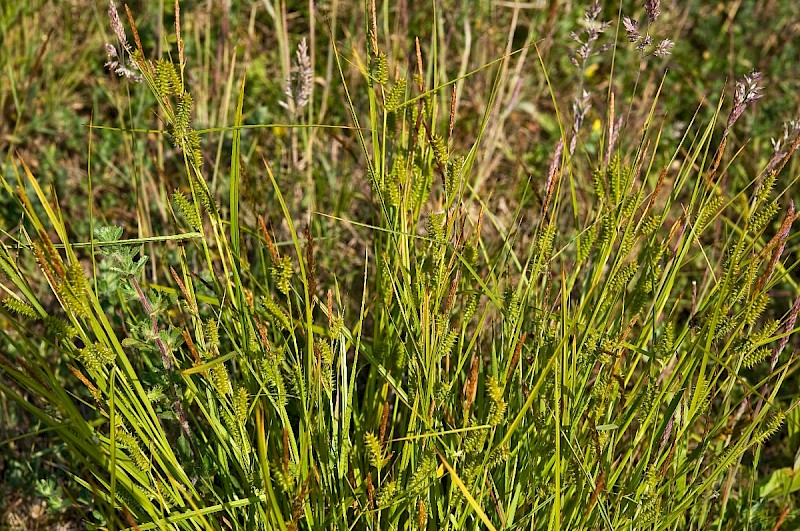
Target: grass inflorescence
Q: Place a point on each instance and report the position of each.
(359, 308)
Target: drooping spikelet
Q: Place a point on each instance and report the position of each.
(183, 114)
(396, 95)
(586, 243)
(168, 81)
(20, 307)
(189, 212)
(282, 273)
(131, 444)
(220, 379)
(276, 312)
(240, 406)
(380, 68)
(497, 411)
(96, 356)
(772, 425)
(439, 146)
(374, 450)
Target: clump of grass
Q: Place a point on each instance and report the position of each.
(616, 368)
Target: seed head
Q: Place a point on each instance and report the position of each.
(653, 8)
(300, 79)
(748, 91)
(116, 24)
(118, 66)
(631, 29)
(664, 48)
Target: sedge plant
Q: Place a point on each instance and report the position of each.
(614, 358)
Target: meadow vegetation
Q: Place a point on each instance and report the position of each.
(379, 265)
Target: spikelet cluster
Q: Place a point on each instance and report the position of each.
(275, 312)
(211, 329)
(393, 184)
(666, 342)
(421, 476)
(762, 215)
(336, 326)
(470, 307)
(73, 291)
(385, 494)
(599, 179)
(447, 337)
(587, 356)
(19, 307)
(96, 356)
(286, 478)
(732, 262)
(702, 396)
(742, 285)
(155, 394)
(770, 427)
(452, 174)
(167, 79)
(586, 243)
(131, 444)
(469, 255)
(649, 511)
(708, 212)
(325, 353)
(282, 272)
(497, 456)
(127, 499)
(615, 175)
(608, 232)
(240, 406)
(273, 377)
(755, 356)
(497, 411)
(189, 212)
(627, 243)
(756, 308)
(396, 95)
(649, 225)
(642, 295)
(220, 379)
(439, 146)
(169, 86)
(474, 441)
(622, 277)
(744, 348)
(235, 424)
(725, 325)
(375, 450)
(628, 207)
(436, 232)
(545, 242)
(59, 328)
(617, 283)
(512, 307)
(648, 401)
(183, 113)
(204, 195)
(380, 68)
(167, 495)
(764, 190)
(217, 373)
